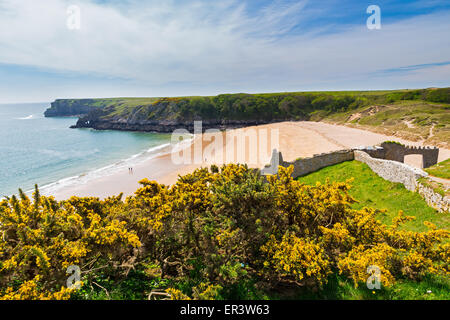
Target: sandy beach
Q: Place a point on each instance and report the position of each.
(296, 139)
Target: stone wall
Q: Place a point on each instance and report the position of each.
(389, 170)
(433, 199)
(375, 152)
(392, 170)
(397, 152)
(304, 166)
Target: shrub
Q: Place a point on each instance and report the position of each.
(209, 236)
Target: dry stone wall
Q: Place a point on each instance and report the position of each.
(389, 170)
(392, 170)
(304, 166)
(433, 199)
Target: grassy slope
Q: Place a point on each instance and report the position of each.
(441, 170)
(412, 120)
(372, 191)
(338, 288)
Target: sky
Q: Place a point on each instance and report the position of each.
(143, 48)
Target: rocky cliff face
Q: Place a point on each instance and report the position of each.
(94, 120)
(149, 115)
(68, 107)
(163, 116)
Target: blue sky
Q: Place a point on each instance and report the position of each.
(203, 47)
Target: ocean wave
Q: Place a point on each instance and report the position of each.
(108, 170)
(26, 118)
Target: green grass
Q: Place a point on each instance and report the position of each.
(370, 190)
(339, 288)
(441, 170)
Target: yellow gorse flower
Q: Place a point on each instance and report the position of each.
(223, 226)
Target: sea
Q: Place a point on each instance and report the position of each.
(46, 152)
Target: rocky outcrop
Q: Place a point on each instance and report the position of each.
(164, 116)
(70, 107)
(94, 120)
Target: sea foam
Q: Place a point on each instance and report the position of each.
(111, 169)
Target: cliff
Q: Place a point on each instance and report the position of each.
(225, 110)
(64, 108)
(80, 107)
(163, 126)
(162, 115)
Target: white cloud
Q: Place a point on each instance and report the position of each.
(206, 42)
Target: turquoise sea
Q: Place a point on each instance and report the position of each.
(35, 149)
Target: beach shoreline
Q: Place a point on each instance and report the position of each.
(296, 139)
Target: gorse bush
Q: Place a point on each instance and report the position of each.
(218, 234)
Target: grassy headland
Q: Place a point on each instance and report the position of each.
(422, 114)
